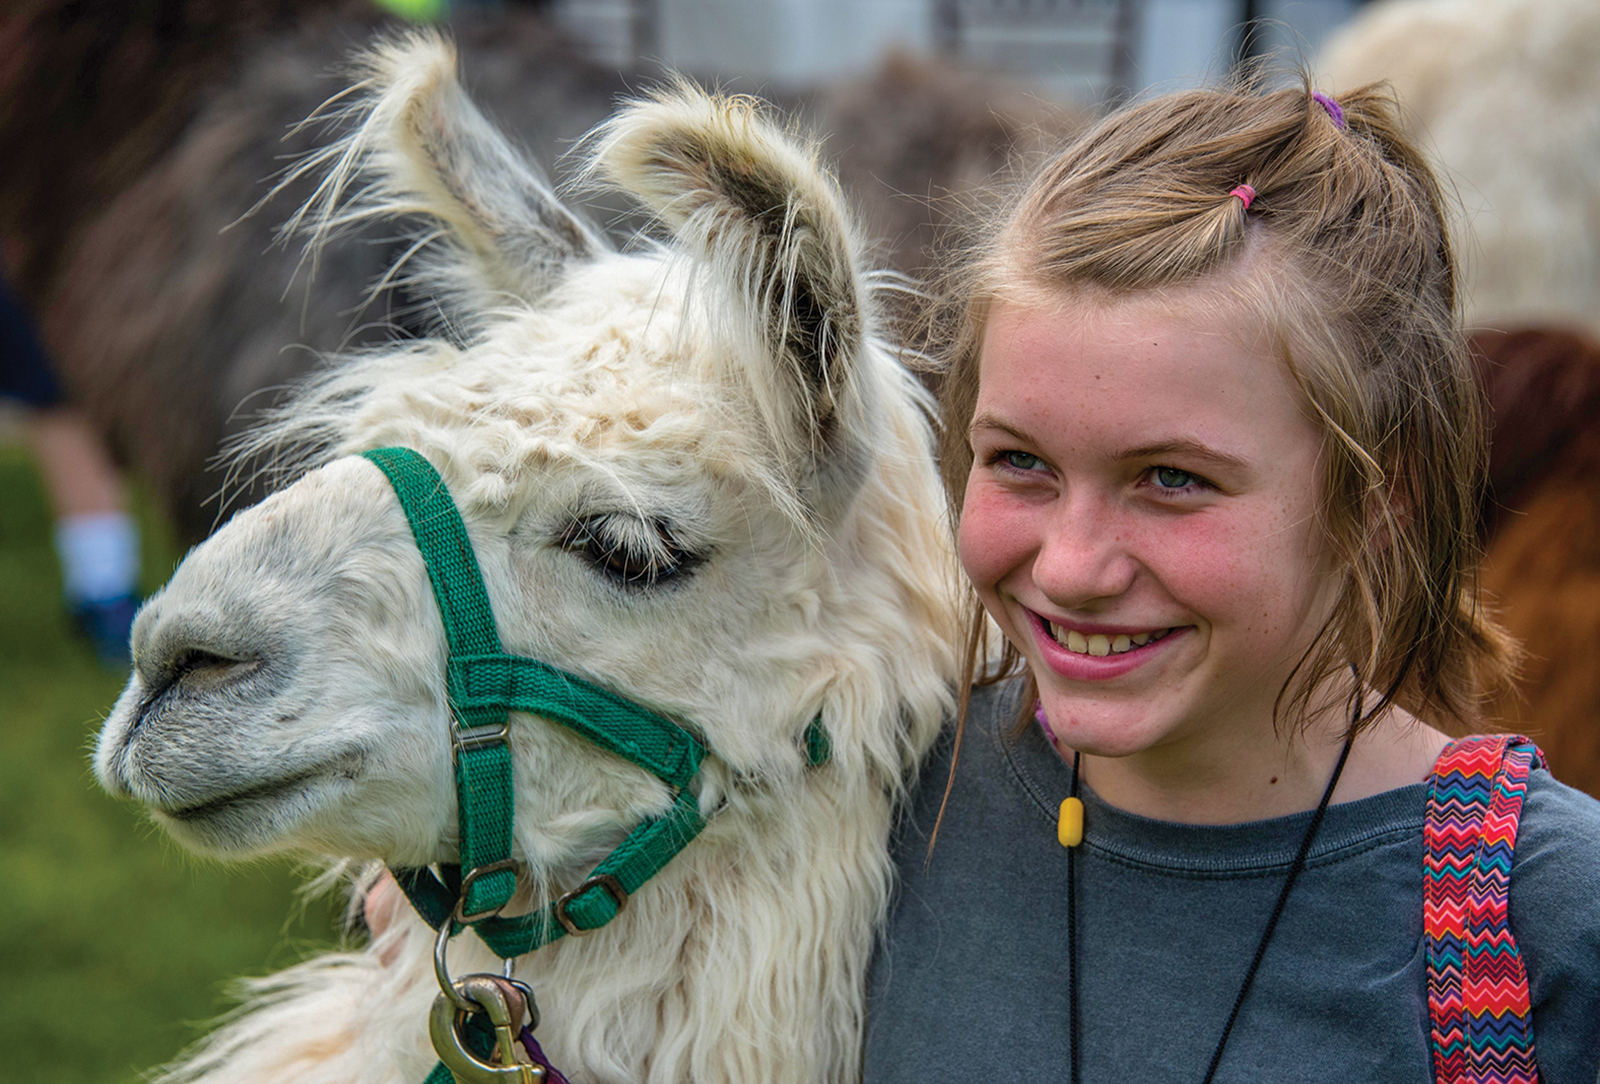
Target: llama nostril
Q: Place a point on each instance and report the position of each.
(200, 668)
(196, 669)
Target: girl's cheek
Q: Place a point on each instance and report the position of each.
(996, 535)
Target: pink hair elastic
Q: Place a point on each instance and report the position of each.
(1246, 194)
(1334, 109)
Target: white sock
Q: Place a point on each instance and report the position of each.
(99, 555)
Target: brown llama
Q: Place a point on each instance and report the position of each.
(1542, 522)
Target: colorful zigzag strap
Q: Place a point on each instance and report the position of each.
(1482, 1026)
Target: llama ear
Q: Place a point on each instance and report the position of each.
(419, 148)
(753, 203)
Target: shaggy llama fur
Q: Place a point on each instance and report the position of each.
(1542, 519)
(715, 410)
(1505, 96)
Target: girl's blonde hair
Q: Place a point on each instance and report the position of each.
(1352, 275)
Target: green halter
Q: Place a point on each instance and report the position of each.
(484, 684)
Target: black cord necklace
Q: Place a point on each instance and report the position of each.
(1261, 948)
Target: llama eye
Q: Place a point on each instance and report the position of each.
(633, 553)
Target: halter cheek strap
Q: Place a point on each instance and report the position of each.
(484, 684)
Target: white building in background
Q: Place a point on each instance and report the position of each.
(1077, 50)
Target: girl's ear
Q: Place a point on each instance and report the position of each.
(492, 230)
(1388, 512)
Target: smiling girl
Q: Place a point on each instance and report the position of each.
(1214, 449)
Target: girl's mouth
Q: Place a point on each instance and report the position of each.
(1100, 644)
(1085, 655)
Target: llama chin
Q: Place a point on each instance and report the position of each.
(692, 473)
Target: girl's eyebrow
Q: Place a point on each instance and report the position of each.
(1189, 449)
(986, 420)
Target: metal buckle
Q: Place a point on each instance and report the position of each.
(601, 880)
(457, 915)
(472, 738)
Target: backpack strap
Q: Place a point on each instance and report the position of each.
(1478, 1002)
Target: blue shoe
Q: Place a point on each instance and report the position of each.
(106, 624)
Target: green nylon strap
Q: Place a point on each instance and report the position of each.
(656, 744)
(484, 795)
(452, 567)
(818, 747)
(640, 857)
(643, 854)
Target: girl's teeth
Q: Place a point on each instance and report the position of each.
(1099, 644)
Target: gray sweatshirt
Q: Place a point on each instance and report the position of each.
(970, 983)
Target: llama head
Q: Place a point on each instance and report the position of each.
(690, 472)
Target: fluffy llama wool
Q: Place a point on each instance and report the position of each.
(715, 408)
(1505, 97)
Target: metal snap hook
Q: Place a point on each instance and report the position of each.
(441, 971)
(441, 940)
(504, 1003)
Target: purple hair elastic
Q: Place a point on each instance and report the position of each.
(1246, 194)
(1334, 109)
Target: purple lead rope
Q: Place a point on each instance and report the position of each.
(552, 1075)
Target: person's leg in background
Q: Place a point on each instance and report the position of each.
(96, 539)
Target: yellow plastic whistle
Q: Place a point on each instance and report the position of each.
(1069, 829)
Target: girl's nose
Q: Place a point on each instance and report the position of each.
(1083, 558)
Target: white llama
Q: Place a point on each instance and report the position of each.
(692, 474)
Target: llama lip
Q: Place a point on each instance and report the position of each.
(264, 793)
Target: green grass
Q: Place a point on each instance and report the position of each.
(115, 946)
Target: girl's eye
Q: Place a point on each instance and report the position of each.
(1173, 480)
(1021, 461)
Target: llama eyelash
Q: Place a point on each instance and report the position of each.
(634, 553)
